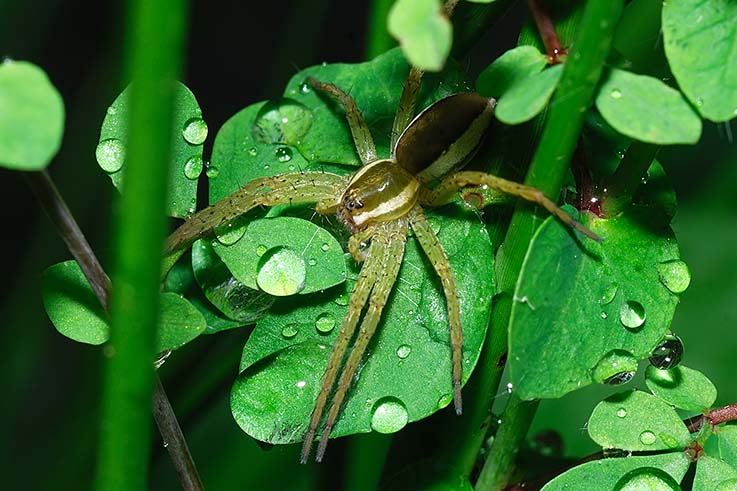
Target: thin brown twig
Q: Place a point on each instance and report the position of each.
(545, 26)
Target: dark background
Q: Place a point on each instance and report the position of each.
(239, 53)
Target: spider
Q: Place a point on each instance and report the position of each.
(379, 203)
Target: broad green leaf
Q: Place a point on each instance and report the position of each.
(682, 387)
(31, 117)
(579, 303)
(407, 375)
(230, 296)
(423, 31)
(606, 474)
(711, 474)
(189, 132)
(646, 109)
(528, 97)
(700, 39)
(510, 69)
(637, 421)
(284, 256)
(727, 441)
(76, 313)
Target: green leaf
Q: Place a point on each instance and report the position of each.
(31, 117)
(76, 313)
(727, 441)
(189, 132)
(646, 109)
(711, 473)
(230, 296)
(579, 303)
(637, 421)
(406, 378)
(423, 31)
(510, 69)
(700, 39)
(682, 387)
(528, 97)
(608, 473)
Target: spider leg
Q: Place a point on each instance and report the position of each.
(306, 187)
(366, 279)
(451, 184)
(392, 241)
(359, 129)
(435, 253)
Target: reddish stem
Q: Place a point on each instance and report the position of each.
(714, 417)
(545, 26)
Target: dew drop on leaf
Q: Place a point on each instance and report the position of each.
(289, 331)
(304, 87)
(110, 155)
(632, 314)
(648, 437)
(621, 412)
(403, 351)
(647, 479)
(389, 415)
(253, 151)
(228, 234)
(212, 171)
(674, 275)
(282, 121)
(325, 247)
(325, 323)
(342, 299)
(261, 250)
(193, 167)
(668, 354)
(616, 94)
(608, 294)
(281, 272)
(615, 368)
(283, 154)
(195, 131)
(312, 262)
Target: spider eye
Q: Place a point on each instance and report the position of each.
(358, 204)
(351, 204)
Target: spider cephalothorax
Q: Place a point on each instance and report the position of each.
(379, 203)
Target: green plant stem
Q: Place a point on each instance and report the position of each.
(365, 459)
(155, 30)
(628, 176)
(378, 37)
(547, 172)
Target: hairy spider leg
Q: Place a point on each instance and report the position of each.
(459, 180)
(359, 129)
(304, 187)
(439, 260)
(359, 296)
(392, 236)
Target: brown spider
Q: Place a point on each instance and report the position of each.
(379, 203)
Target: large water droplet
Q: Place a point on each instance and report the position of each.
(389, 415)
(325, 323)
(647, 479)
(674, 275)
(289, 331)
(281, 272)
(195, 131)
(403, 351)
(282, 121)
(632, 314)
(283, 154)
(193, 167)
(229, 234)
(615, 368)
(728, 485)
(668, 354)
(610, 291)
(110, 155)
(648, 437)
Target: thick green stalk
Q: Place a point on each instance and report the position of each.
(365, 459)
(155, 40)
(378, 38)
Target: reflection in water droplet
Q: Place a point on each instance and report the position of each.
(193, 167)
(342, 299)
(283, 154)
(648, 438)
(647, 479)
(211, 171)
(403, 351)
(608, 294)
(621, 412)
(616, 93)
(282, 120)
(229, 235)
(195, 131)
(674, 275)
(389, 415)
(325, 323)
(110, 155)
(261, 250)
(281, 272)
(289, 331)
(253, 151)
(615, 368)
(632, 314)
(668, 354)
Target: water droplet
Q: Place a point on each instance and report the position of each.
(282, 121)
(603, 315)
(403, 351)
(389, 415)
(305, 88)
(292, 168)
(668, 440)
(648, 438)
(674, 275)
(510, 388)
(699, 102)
(229, 235)
(607, 296)
(668, 354)
(647, 478)
(253, 151)
(110, 155)
(300, 384)
(615, 368)
(261, 250)
(621, 412)
(632, 314)
(193, 167)
(325, 323)
(728, 485)
(283, 154)
(325, 247)
(211, 171)
(289, 331)
(342, 299)
(616, 93)
(312, 262)
(195, 131)
(281, 272)
(621, 152)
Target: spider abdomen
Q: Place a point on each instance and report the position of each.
(378, 192)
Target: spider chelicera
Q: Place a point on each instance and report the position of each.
(379, 203)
